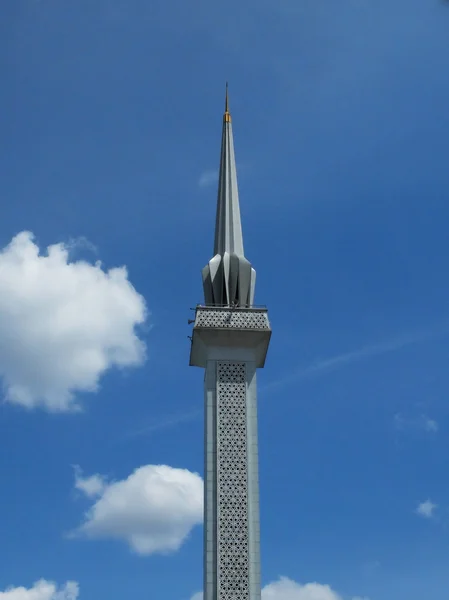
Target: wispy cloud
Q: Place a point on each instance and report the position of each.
(419, 423)
(165, 422)
(80, 243)
(431, 425)
(208, 178)
(90, 486)
(370, 567)
(426, 509)
(347, 358)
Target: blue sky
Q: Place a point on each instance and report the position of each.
(110, 115)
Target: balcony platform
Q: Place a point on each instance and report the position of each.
(224, 331)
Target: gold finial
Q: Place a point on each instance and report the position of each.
(227, 114)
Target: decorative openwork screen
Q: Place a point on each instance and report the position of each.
(238, 319)
(232, 482)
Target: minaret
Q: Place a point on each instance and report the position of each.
(230, 341)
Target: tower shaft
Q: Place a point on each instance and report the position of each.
(231, 537)
(230, 344)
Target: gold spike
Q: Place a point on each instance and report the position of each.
(227, 114)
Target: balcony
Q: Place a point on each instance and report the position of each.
(233, 333)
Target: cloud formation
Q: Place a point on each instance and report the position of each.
(426, 509)
(90, 486)
(287, 589)
(62, 324)
(208, 178)
(430, 425)
(42, 590)
(153, 510)
(420, 423)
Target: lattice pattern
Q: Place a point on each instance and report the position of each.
(226, 317)
(232, 482)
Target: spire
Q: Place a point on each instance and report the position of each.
(228, 279)
(227, 114)
(228, 228)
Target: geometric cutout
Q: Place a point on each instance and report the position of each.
(228, 318)
(232, 482)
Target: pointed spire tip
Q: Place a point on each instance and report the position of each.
(227, 114)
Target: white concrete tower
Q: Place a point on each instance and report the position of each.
(230, 341)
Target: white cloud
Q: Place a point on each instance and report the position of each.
(208, 178)
(42, 590)
(90, 486)
(153, 510)
(426, 509)
(430, 425)
(62, 324)
(415, 423)
(287, 589)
